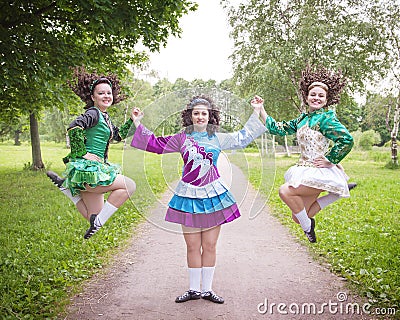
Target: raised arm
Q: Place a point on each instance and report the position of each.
(145, 139)
(240, 139)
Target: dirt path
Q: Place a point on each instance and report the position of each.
(259, 265)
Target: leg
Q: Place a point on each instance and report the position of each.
(299, 200)
(193, 246)
(93, 202)
(310, 205)
(209, 240)
(295, 197)
(192, 238)
(121, 189)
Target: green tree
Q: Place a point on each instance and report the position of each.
(386, 15)
(374, 113)
(40, 40)
(274, 40)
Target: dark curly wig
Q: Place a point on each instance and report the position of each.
(335, 82)
(214, 117)
(83, 83)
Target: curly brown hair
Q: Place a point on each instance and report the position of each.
(334, 80)
(214, 116)
(82, 83)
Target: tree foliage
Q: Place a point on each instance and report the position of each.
(275, 39)
(40, 40)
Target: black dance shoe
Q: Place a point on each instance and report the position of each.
(311, 234)
(56, 179)
(352, 185)
(188, 295)
(93, 229)
(211, 296)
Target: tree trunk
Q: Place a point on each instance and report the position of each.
(17, 142)
(37, 163)
(393, 135)
(287, 147)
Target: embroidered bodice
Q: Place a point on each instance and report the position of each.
(312, 145)
(320, 121)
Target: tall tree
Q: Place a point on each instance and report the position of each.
(40, 40)
(386, 14)
(274, 39)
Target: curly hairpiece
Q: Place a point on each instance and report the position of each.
(334, 82)
(214, 117)
(82, 83)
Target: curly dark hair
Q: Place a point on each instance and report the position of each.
(334, 80)
(214, 117)
(82, 83)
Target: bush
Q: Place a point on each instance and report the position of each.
(368, 139)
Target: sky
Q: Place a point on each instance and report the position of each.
(203, 49)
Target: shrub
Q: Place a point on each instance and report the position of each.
(368, 139)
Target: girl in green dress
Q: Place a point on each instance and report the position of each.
(88, 174)
(318, 168)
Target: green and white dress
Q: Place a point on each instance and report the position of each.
(314, 131)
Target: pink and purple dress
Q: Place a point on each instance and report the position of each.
(201, 199)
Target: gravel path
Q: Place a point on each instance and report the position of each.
(259, 266)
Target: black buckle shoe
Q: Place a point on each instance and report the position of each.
(188, 295)
(352, 185)
(311, 234)
(56, 179)
(211, 296)
(93, 229)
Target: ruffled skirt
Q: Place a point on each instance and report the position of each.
(202, 207)
(332, 180)
(81, 173)
(203, 220)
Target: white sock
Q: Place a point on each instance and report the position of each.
(74, 199)
(304, 220)
(327, 199)
(194, 279)
(207, 275)
(105, 213)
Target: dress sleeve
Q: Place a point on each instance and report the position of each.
(144, 139)
(122, 132)
(240, 139)
(87, 120)
(77, 143)
(331, 128)
(282, 128)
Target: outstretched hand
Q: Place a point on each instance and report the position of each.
(258, 104)
(137, 116)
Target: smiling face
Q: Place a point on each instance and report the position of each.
(102, 96)
(200, 117)
(316, 98)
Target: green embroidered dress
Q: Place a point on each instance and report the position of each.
(92, 132)
(314, 131)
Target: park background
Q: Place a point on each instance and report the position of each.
(43, 258)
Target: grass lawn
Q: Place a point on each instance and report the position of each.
(44, 258)
(358, 237)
